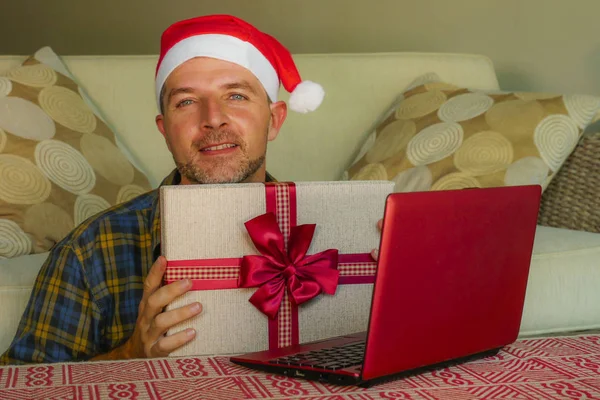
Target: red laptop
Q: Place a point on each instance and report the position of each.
(450, 286)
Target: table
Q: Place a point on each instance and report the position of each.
(545, 368)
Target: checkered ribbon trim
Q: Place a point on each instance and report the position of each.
(357, 269)
(282, 204)
(233, 272)
(202, 273)
(284, 321)
(282, 213)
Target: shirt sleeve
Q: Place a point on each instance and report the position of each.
(61, 320)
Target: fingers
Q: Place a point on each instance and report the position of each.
(166, 320)
(148, 338)
(375, 254)
(157, 301)
(168, 344)
(164, 345)
(155, 275)
(154, 278)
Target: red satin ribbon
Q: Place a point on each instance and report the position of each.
(305, 277)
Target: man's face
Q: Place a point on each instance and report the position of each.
(217, 120)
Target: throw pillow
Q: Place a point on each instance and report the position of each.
(439, 136)
(59, 162)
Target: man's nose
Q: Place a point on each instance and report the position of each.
(213, 115)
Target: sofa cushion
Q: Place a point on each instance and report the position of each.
(562, 292)
(17, 276)
(59, 162)
(439, 136)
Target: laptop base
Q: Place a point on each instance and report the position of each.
(324, 377)
(349, 380)
(417, 371)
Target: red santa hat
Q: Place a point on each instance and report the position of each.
(228, 38)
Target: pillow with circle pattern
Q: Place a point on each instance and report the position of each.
(59, 160)
(438, 136)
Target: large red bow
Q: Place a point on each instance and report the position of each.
(305, 276)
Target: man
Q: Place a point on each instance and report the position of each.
(99, 295)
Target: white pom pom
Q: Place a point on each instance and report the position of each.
(307, 96)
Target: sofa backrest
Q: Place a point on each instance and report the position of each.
(314, 146)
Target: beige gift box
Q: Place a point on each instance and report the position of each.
(204, 237)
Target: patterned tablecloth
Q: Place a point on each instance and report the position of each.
(551, 368)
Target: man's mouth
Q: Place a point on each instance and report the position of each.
(218, 147)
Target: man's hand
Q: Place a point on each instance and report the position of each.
(148, 338)
(375, 252)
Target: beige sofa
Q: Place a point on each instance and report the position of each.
(563, 292)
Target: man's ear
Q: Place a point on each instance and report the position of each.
(278, 115)
(160, 124)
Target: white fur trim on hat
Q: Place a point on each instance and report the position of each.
(222, 47)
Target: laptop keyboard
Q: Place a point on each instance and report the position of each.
(331, 358)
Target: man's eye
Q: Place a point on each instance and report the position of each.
(184, 103)
(237, 97)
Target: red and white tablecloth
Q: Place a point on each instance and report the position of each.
(551, 368)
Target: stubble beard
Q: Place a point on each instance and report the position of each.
(233, 171)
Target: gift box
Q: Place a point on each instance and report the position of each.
(273, 264)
